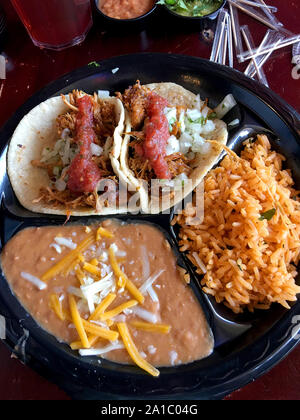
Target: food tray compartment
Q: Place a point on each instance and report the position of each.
(226, 325)
(25, 336)
(244, 344)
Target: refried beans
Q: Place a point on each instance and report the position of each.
(125, 9)
(116, 277)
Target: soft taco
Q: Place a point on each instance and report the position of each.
(63, 157)
(173, 137)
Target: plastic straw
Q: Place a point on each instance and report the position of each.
(270, 38)
(223, 54)
(261, 6)
(265, 50)
(219, 35)
(269, 15)
(236, 31)
(230, 41)
(250, 45)
(261, 60)
(250, 68)
(254, 14)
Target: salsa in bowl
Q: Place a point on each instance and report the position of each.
(125, 14)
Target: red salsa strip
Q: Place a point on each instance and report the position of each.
(84, 174)
(156, 136)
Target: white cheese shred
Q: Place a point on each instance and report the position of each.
(65, 242)
(144, 314)
(34, 280)
(99, 352)
(57, 248)
(145, 286)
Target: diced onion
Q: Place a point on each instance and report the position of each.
(234, 122)
(225, 106)
(65, 157)
(173, 146)
(60, 185)
(103, 94)
(96, 150)
(193, 114)
(65, 133)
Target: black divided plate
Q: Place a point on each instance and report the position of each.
(246, 345)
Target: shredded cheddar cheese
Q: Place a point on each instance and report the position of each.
(101, 232)
(124, 281)
(133, 351)
(134, 291)
(102, 307)
(92, 269)
(56, 305)
(147, 326)
(80, 275)
(99, 331)
(81, 258)
(116, 311)
(71, 267)
(69, 259)
(76, 345)
(78, 322)
(94, 261)
(116, 269)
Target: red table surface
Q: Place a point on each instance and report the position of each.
(29, 69)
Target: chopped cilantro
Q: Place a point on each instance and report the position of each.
(212, 115)
(94, 63)
(201, 120)
(268, 215)
(239, 264)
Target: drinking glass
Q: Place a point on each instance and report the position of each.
(55, 24)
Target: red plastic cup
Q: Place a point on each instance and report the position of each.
(55, 24)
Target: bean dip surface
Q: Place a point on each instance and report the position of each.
(120, 278)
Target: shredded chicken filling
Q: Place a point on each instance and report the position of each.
(135, 101)
(104, 126)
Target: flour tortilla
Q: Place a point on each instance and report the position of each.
(176, 96)
(36, 131)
